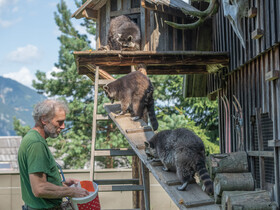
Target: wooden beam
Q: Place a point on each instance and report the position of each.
(110, 188)
(116, 181)
(90, 14)
(258, 33)
(192, 204)
(272, 75)
(125, 12)
(163, 70)
(253, 11)
(114, 152)
(129, 58)
(260, 153)
(105, 81)
(139, 130)
(274, 143)
(101, 117)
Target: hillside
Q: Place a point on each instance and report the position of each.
(16, 100)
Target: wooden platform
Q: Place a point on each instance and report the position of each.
(157, 62)
(137, 132)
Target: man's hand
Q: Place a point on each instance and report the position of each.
(69, 181)
(79, 192)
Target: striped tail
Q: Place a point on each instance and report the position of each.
(205, 178)
(150, 104)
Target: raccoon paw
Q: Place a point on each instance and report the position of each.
(104, 48)
(135, 118)
(120, 113)
(183, 186)
(165, 169)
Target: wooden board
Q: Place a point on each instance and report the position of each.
(157, 62)
(193, 197)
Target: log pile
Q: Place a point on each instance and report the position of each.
(234, 184)
(249, 200)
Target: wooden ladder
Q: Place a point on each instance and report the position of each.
(138, 184)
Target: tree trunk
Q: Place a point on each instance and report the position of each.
(256, 200)
(232, 182)
(235, 162)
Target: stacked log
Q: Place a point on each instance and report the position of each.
(249, 200)
(232, 182)
(235, 162)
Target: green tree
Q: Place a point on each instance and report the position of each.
(203, 112)
(20, 130)
(197, 114)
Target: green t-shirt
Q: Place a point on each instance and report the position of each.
(34, 156)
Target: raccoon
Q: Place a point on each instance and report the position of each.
(135, 92)
(182, 151)
(123, 34)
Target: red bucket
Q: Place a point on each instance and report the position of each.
(90, 202)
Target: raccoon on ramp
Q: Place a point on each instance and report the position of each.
(135, 92)
(123, 34)
(182, 151)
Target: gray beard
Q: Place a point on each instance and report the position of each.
(50, 131)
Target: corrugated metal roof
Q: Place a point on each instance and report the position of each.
(8, 152)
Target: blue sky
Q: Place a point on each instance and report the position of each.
(28, 37)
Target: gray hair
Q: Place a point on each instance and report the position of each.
(46, 109)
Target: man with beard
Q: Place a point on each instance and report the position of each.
(41, 184)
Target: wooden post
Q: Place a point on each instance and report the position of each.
(94, 122)
(145, 195)
(135, 175)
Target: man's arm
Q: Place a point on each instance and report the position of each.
(43, 189)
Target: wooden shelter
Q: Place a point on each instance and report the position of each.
(173, 51)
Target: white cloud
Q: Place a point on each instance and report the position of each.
(3, 3)
(8, 23)
(23, 76)
(15, 9)
(54, 69)
(27, 54)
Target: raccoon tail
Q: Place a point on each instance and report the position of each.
(150, 104)
(205, 178)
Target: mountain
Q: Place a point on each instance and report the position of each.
(16, 100)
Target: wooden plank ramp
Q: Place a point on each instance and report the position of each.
(137, 132)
